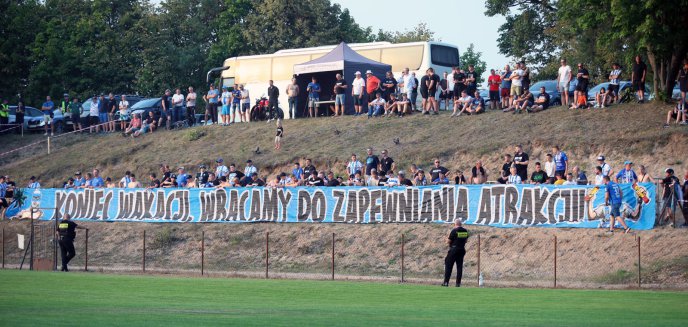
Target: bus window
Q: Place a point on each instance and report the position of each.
(254, 70)
(403, 57)
(283, 67)
(443, 55)
(373, 54)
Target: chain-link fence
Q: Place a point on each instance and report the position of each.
(409, 253)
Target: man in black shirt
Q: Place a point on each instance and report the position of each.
(309, 170)
(457, 250)
(388, 85)
(542, 101)
(507, 164)
(437, 169)
(403, 181)
(233, 173)
(433, 84)
(414, 92)
(671, 186)
(386, 164)
(202, 176)
(424, 92)
(154, 182)
(331, 181)
(372, 161)
(521, 163)
(166, 111)
(273, 96)
(539, 176)
(583, 78)
(316, 180)
(459, 82)
(638, 78)
(471, 80)
(66, 232)
(340, 87)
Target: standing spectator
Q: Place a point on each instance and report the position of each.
(478, 173)
(459, 82)
(433, 83)
(561, 161)
(671, 186)
(407, 83)
(102, 113)
(644, 177)
(505, 77)
(309, 169)
(221, 170)
(446, 94)
(513, 178)
(516, 83)
(111, 109)
(386, 163)
(521, 162)
(539, 176)
(48, 107)
(226, 101)
(414, 92)
(372, 161)
(191, 106)
(211, 104)
(493, 84)
(97, 181)
(525, 79)
(508, 162)
(313, 90)
(682, 80)
(123, 113)
(542, 101)
(550, 168)
(354, 165)
(388, 86)
(614, 197)
(4, 203)
(177, 105)
(626, 175)
(424, 92)
(638, 78)
(250, 169)
(583, 78)
(579, 176)
(599, 177)
(372, 85)
(19, 114)
(235, 109)
(245, 104)
(4, 114)
(33, 183)
(437, 169)
(166, 113)
(614, 79)
(279, 135)
(471, 80)
(340, 87)
(297, 172)
(292, 98)
(357, 87)
(75, 110)
(124, 182)
(563, 80)
(606, 168)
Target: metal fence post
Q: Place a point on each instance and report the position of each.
(479, 272)
(332, 256)
(48, 144)
(3, 248)
(638, 240)
(555, 261)
(267, 254)
(86, 252)
(143, 259)
(403, 240)
(202, 252)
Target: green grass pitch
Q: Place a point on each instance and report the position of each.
(89, 299)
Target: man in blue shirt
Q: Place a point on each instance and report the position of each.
(561, 161)
(3, 202)
(313, 90)
(297, 171)
(211, 107)
(97, 181)
(181, 177)
(33, 183)
(626, 175)
(47, 108)
(614, 196)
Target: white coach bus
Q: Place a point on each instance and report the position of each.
(254, 72)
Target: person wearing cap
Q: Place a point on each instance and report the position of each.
(33, 183)
(220, 169)
(79, 181)
(47, 109)
(171, 182)
(64, 103)
(211, 99)
(313, 90)
(626, 175)
(293, 91)
(250, 169)
(202, 176)
(166, 111)
(340, 87)
(372, 86)
(606, 168)
(613, 197)
(66, 233)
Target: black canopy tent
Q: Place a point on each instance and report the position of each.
(343, 60)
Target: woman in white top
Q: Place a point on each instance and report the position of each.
(123, 113)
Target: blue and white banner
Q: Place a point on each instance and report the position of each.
(488, 205)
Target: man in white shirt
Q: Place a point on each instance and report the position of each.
(606, 168)
(221, 170)
(191, 106)
(93, 115)
(550, 168)
(376, 106)
(124, 182)
(354, 165)
(563, 80)
(245, 103)
(357, 87)
(250, 169)
(177, 105)
(463, 103)
(123, 112)
(516, 83)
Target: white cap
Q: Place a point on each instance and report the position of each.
(357, 73)
(369, 71)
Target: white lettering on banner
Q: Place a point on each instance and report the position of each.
(493, 205)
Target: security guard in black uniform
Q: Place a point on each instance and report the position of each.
(66, 231)
(457, 250)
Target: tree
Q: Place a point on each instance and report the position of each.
(471, 57)
(420, 32)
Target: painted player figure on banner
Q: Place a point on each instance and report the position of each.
(602, 211)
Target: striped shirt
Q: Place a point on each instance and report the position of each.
(3, 190)
(617, 73)
(514, 179)
(35, 185)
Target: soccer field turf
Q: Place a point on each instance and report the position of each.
(69, 299)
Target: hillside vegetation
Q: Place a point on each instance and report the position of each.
(621, 133)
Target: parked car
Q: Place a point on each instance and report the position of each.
(624, 86)
(676, 93)
(33, 119)
(550, 88)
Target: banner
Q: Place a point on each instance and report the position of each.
(488, 205)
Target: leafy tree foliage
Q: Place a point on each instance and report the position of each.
(472, 57)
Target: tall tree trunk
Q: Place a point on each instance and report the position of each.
(653, 64)
(677, 59)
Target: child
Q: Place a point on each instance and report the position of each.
(278, 136)
(601, 98)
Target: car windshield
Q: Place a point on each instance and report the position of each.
(550, 86)
(147, 103)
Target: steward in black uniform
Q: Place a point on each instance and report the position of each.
(66, 230)
(457, 250)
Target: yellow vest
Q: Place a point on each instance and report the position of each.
(4, 111)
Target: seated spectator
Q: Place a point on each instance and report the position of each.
(513, 178)
(580, 102)
(133, 183)
(315, 180)
(542, 101)
(569, 180)
(503, 177)
(506, 167)
(257, 181)
(559, 179)
(358, 179)
(376, 106)
(601, 98)
(677, 114)
(147, 126)
(134, 125)
(579, 176)
(154, 181)
(441, 179)
(539, 176)
(373, 179)
(191, 181)
(109, 183)
(478, 173)
(404, 105)
(462, 104)
(459, 179)
(523, 102)
(68, 185)
(292, 181)
(331, 180)
(170, 182)
(420, 179)
(391, 179)
(477, 104)
(391, 105)
(403, 181)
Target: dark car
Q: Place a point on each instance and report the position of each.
(550, 88)
(86, 105)
(33, 119)
(145, 106)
